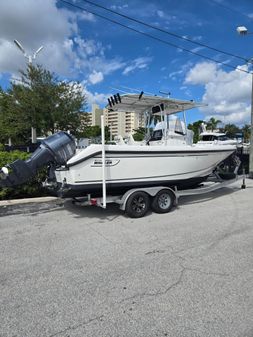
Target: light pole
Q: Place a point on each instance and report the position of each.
(244, 31)
(30, 59)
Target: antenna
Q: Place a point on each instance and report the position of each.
(140, 96)
(165, 93)
(137, 90)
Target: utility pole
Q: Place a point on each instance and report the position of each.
(251, 130)
(30, 59)
(244, 31)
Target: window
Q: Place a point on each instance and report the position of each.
(157, 135)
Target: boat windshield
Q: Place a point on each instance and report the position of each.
(156, 135)
(210, 138)
(223, 137)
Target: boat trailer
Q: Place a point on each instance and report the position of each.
(136, 202)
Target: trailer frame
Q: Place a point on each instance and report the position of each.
(123, 200)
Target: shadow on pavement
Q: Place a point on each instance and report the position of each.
(111, 212)
(195, 199)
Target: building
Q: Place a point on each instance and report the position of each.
(123, 123)
(86, 119)
(96, 114)
(119, 123)
(92, 118)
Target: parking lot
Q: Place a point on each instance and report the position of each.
(70, 271)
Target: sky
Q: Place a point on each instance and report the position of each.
(107, 58)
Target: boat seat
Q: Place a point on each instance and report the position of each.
(119, 140)
(130, 140)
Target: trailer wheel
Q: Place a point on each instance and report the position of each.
(163, 201)
(137, 204)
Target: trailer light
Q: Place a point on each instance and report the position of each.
(93, 202)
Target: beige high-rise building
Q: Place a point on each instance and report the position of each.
(86, 119)
(123, 123)
(96, 113)
(120, 123)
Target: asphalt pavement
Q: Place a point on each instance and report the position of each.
(71, 271)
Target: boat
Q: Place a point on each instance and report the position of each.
(216, 137)
(165, 158)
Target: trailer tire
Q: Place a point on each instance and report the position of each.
(163, 201)
(137, 204)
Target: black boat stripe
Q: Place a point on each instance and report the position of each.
(120, 188)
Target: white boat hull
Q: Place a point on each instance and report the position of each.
(136, 166)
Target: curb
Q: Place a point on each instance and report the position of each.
(27, 201)
(29, 205)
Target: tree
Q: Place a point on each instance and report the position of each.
(91, 131)
(139, 134)
(231, 130)
(42, 101)
(212, 123)
(13, 120)
(246, 132)
(94, 132)
(195, 127)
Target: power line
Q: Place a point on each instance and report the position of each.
(164, 31)
(153, 37)
(229, 8)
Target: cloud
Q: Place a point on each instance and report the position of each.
(41, 22)
(85, 16)
(201, 73)
(138, 63)
(97, 98)
(160, 14)
(34, 24)
(95, 77)
(226, 93)
(197, 49)
(181, 70)
(114, 7)
(66, 52)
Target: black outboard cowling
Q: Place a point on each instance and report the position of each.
(56, 149)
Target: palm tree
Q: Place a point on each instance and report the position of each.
(231, 130)
(212, 123)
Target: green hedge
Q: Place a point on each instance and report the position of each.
(33, 188)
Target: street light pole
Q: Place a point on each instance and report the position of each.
(242, 30)
(30, 59)
(251, 131)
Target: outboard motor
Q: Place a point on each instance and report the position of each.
(56, 149)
